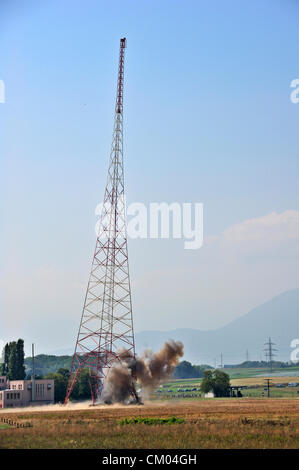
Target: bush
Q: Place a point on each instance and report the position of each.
(171, 420)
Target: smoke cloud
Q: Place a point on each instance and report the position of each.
(147, 371)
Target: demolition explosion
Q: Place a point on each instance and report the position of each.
(105, 343)
(147, 371)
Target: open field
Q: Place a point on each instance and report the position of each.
(215, 423)
(242, 372)
(243, 381)
(279, 375)
(261, 380)
(250, 378)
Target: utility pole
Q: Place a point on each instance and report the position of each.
(268, 386)
(33, 376)
(221, 360)
(269, 352)
(247, 355)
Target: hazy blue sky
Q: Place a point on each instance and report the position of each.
(208, 118)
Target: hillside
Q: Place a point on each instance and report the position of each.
(277, 318)
(45, 364)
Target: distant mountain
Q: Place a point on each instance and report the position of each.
(277, 318)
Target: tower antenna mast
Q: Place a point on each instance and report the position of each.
(106, 324)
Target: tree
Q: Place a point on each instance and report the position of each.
(199, 370)
(84, 384)
(45, 364)
(216, 381)
(20, 375)
(81, 389)
(221, 384)
(12, 362)
(5, 359)
(207, 383)
(13, 355)
(59, 386)
(64, 372)
(61, 378)
(184, 370)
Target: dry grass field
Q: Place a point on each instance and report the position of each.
(215, 423)
(249, 381)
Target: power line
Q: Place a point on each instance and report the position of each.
(269, 353)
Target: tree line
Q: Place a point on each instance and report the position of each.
(45, 364)
(257, 364)
(185, 370)
(81, 389)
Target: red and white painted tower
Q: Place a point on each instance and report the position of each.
(106, 323)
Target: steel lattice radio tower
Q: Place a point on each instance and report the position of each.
(106, 324)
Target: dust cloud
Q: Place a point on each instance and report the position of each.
(146, 371)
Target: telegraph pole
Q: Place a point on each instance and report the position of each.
(247, 355)
(33, 376)
(268, 386)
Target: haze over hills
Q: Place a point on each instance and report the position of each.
(278, 318)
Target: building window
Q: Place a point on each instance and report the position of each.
(20, 387)
(40, 390)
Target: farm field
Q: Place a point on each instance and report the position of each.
(261, 380)
(243, 372)
(250, 378)
(216, 423)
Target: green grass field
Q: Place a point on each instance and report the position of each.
(255, 372)
(247, 377)
(4, 426)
